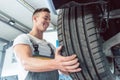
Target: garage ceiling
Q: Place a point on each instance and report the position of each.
(15, 17)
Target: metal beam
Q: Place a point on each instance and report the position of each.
(2, 59)
(19, 26)
(13, 26)
(4, 40)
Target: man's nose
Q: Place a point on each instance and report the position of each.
(48, 20)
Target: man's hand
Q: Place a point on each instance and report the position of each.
(68, 63)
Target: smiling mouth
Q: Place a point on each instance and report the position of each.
(45, 24)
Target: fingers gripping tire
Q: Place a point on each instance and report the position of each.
(78, 34)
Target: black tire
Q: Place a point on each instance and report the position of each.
(77, 32)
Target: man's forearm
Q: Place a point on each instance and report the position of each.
(39, 65)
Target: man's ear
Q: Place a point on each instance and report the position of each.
(34, 18)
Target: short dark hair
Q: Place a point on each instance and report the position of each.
(41, 10)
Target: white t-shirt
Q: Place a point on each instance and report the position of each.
(43, 48)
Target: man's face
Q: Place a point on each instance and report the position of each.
(42, 21)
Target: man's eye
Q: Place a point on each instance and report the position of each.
(46, 18)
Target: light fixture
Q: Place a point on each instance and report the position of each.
(11, 22)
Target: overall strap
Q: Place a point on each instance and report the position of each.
(36, 46)
(52, 51)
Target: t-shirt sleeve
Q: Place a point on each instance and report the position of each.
(21, 39)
